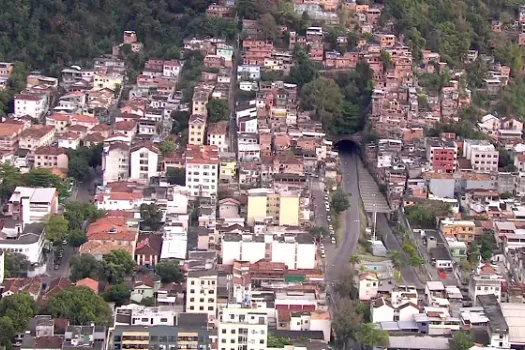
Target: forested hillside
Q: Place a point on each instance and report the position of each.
(46, 34)
(452, 27)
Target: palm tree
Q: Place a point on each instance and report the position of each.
(354, 259)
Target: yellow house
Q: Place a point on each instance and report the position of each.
(197, 129)
(257, 203)
(281, 208)
(227, 167)
(106, 81)
(462, 230)
(200, 102)
(289, 210)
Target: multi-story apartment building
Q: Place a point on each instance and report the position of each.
(9, 136)
(38, 202)
(51, 157)
(30, 104)
(462, 230)
(160, 337)
(144, 161)
(201, 293)
(202, 166)
(242, 329)
(36, 136)
(485, 281)
(217, 135)
(482, 155)
(197, 129)
(115, 162)
(280, 208)
(442, 154)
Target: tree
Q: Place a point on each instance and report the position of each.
(10, 178)
(354, 259)
(269, 28)
(78, 168)
(167, 146)
(19, 308)
(369, 335)
(275, 342)
(345, 287)
(76, 212)
(16, 264)
(56, 228)
(117, 265)
(80, 306)
(180, 121)
(118, 293)
(218, 110)
(318, 232)
(473, 253)
(76, 238)
(323, 97)
(8, 332)
(416, 261)
(151, 216)
(42, 177)
(339, 201)
(85, 265)
(398, 260)
(148, 301)
(386, 59)
(303, 71)
(505, 160)
(176, 176)
(461, 341)
(424, 214)
(486, 242)
(169, 271)
(345, 321)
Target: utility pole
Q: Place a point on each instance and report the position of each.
(375, 220)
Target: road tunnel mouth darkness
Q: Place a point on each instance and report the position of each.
(347, 146)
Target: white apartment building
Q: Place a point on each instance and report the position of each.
(484, 284)
(39, 203)
(144, 161)
(115, 162)
(201, 293)
(242, 328)
(297, 252)
(29, 104)
(202, 169)
(217, 135)
(138, 315)
(482, 155)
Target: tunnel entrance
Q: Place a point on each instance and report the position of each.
(347, 146)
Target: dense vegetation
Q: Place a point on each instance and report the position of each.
(51, 33)
(450, 27)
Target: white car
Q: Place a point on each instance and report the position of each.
(323, 255)
(333, 240)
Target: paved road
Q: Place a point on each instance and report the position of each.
(369, 191)
(408, 273)
(338, 259)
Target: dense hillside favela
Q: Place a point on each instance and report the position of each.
(262, 174)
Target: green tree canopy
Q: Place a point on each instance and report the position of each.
(80, 306)
(169, 271)
(76, 238)
(424, 214)
(19, 308)
(56, 228)
(8, 332)
(117, 265)
(461, 341)
(85, 265)
(346, 321)
(369, 335)
(339, 201)
(218, 110)
(77, 212)
(151, 216)
(176, 176)
(167, 145)
(16, 264)
(118, 293)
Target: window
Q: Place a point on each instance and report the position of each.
(163, 320)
